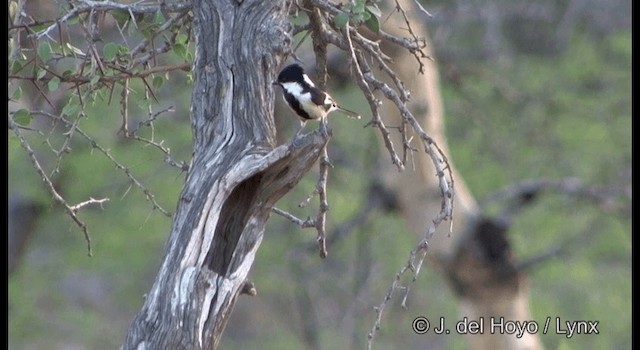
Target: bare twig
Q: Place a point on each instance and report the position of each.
(182, 165)
(148, 194)
(91, 200)
(79, 79)
(413, 265)
(65, 148)
(124, 108)
(422, 9)
(321, 219)
(94, 72)
(319, 223)
(419, 42)
(364, 53)
(135, 8)
(71, 210)
(302, 223)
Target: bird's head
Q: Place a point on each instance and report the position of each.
(290, 74)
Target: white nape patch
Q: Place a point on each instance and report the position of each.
(307, 80)
(293, 88)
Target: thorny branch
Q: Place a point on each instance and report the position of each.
(365, 54)
(319, 223)
(150, 197)
(71, 210)
(125, 75)
(91, 200)
(321, 219)
(320, 50)
(139, 7)
(39, 47)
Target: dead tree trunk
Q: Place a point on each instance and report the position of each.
(235, 177)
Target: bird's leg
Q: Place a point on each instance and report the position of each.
(324, 129)
(302, 124)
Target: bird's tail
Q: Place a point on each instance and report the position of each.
(348, 113)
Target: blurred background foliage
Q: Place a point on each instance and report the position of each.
(530, 90)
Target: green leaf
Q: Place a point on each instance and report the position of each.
(94, 80)
(90, 99)
(53, 84)
(374, 10)
(341, 20)
(39, 27)
(357, 18)
(148, 31)
(55, 47)
(121, 16)
(144, 103)
(180, 50)
(373, 24)
(17, 94)
(359, 7)
(44, 51)
(41, 74)
(73, 20)
(159, 18)
(70, 109)
(182, 38)
(16, 66)
(132, 29)
(22, 117)
(157, 81)
(74, 49)
(110, 50)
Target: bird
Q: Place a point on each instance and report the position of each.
(305, 99)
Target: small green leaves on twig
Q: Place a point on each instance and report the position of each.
(358, 13)
(22, 117)
(72, 72)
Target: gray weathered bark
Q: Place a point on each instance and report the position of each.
(235, 177)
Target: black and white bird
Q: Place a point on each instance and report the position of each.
(305, 98)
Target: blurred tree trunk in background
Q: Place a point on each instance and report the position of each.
(475, 258)
(22, 216)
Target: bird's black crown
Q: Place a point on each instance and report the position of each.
(291, 73)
